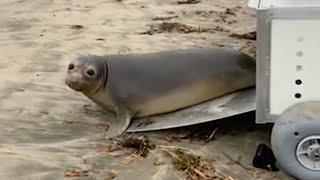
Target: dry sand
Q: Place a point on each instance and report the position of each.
(47, 128)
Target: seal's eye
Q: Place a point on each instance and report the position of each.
(71, 66)
(90, 72)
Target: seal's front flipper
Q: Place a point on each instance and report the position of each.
(118, 126)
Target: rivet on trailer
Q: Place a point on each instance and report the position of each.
(288, 84)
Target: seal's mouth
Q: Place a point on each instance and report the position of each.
(77, 88)
(74, 85)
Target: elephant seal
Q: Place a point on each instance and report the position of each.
(139, 85)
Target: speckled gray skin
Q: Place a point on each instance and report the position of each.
(139, 85)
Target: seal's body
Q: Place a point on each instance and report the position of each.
(138, 85)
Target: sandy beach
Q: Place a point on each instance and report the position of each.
(49, 131)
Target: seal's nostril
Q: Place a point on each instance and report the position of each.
(71, 66)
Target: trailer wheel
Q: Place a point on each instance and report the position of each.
(295, 141)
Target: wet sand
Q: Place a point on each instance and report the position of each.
(46, 128)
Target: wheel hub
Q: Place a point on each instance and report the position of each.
(308, 152)
(314, 152)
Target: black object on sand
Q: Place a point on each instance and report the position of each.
(264, 158)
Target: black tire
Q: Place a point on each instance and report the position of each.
(295, 124)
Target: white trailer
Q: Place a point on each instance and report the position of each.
(288, 82)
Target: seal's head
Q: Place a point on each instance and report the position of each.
(87, 74)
